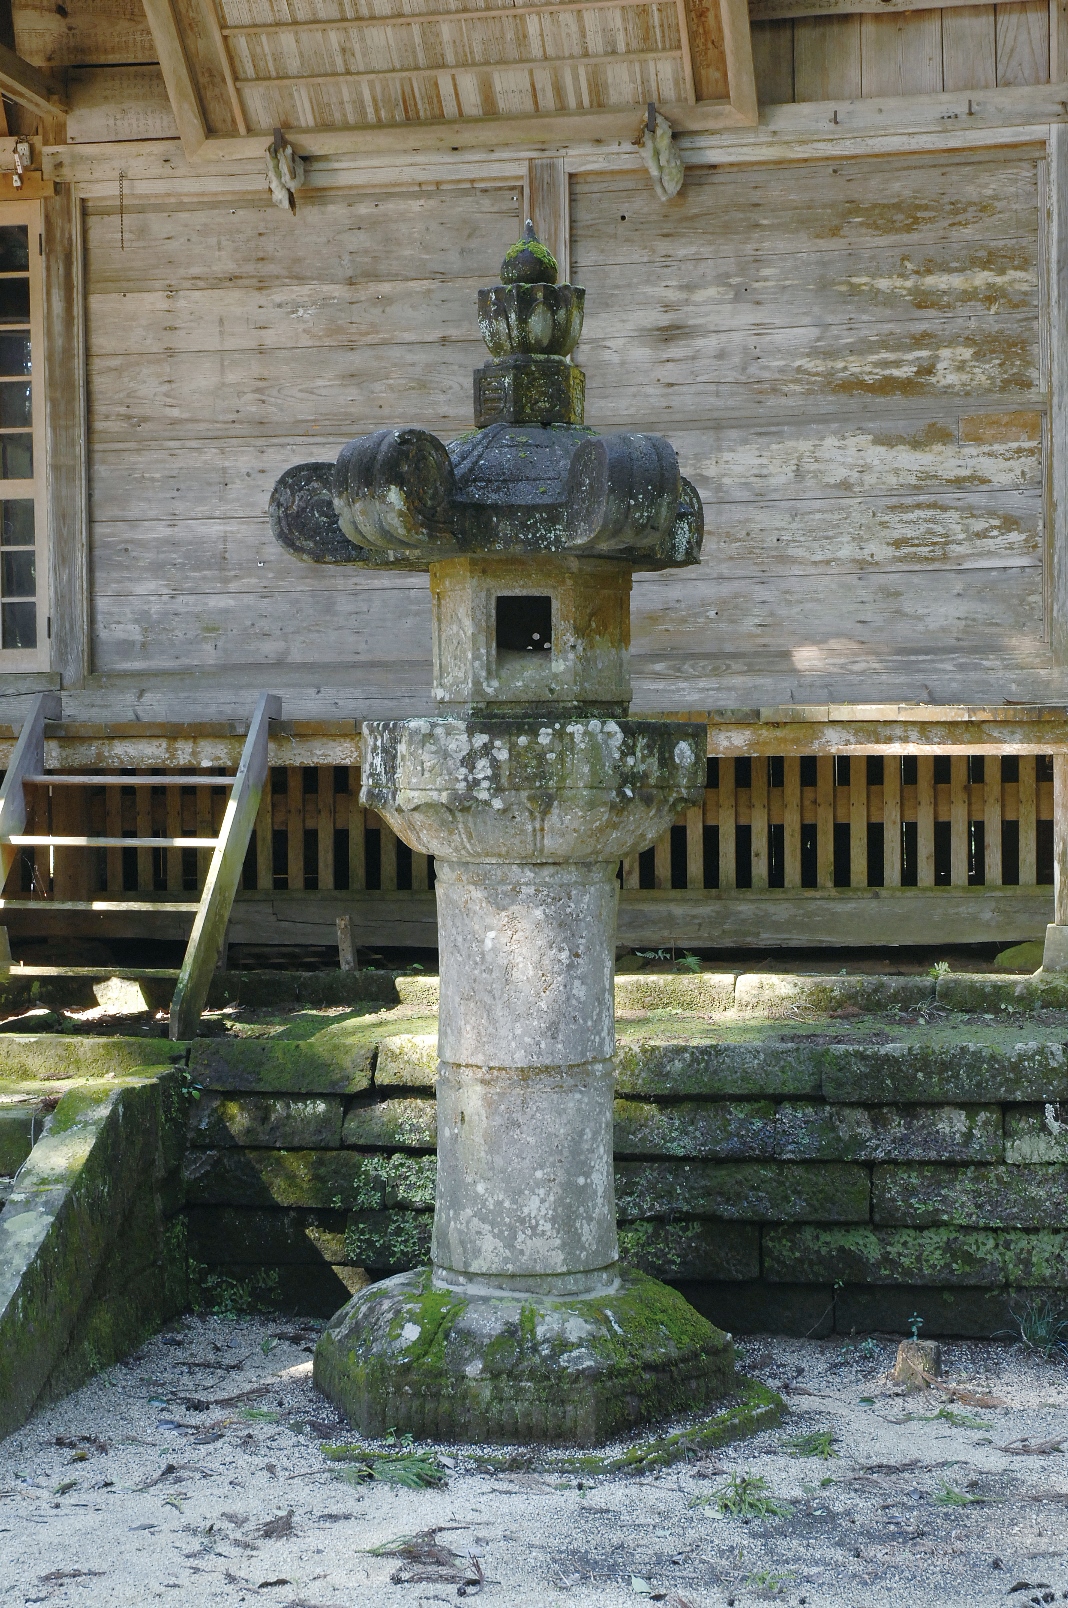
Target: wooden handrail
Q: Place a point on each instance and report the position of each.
(224, 875)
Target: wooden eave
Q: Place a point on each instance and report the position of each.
(201, 143)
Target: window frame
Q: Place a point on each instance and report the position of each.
(16, 660)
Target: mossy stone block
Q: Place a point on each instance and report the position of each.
(339, 1179)
(703, 993)
(929, 1073)
(393, 1124)
(723, 1071)
(916, 1256)
(19, 1125)
(457, 1367)
(754, 1192)
(418, 993)
(695, 1249)
(389, 1242)
(771, 993)
(832, 1132)
(70, 1207)
(407, 1061)
(711, 1130)
(994, 992)
(223, 1235)
(269, 988)
(1036, 1133)
(964, 1313)
(756, 1307)
(280, 1122)
(969, 1197)
(307, 1289)
(46, 1057)
(335, 1060)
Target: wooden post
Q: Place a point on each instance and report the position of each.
(113, 828)
(662, 860)
(174, 829)
(387, 857)
(858, 821)
(925, 821)
(825, 821)
(992, 819)
(547, 204)
(695, 847)
(631, 878)
(357, 840)
(325, 827)
(791, 820)
(892, 821)
(346, 948)
(143, 810)
(1027, 814)
(224, 874)
(1055, 952)
(728, 859)
(27, 759)
(958, 818)
(758, 816)
(295, 827)
(264, 839)
(1060, 839)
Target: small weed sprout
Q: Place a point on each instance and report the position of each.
(1040, 1326)
(767, 1581)
(748, 1496)
(948, 1497)
(941, 968)
(414, 1470)
(916, 1324)
(854, 1350)
(688, 963)
(817, 1443)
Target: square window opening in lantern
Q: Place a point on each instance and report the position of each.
(524, 625)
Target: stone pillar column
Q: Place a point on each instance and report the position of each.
(525, 1198)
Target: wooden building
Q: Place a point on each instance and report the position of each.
(851, 322)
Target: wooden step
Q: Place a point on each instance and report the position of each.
(117, 779)
(21, 841)
(103, 906)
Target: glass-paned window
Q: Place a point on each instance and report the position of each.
(23, 600)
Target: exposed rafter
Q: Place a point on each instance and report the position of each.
(28, 86)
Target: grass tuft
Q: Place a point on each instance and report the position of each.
(1041, 1327)
(414, 1470)
(746, 1496)
(818, 1443)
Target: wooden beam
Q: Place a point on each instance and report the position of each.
(65, 428)
(177, 75)
(776, 10)
(547, 199)
(224, 875)
(26, 759)
(28, 86)
(738, 51)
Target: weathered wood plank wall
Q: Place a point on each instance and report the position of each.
(902, 53)
(847, 355)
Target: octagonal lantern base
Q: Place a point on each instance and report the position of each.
(474, 1367)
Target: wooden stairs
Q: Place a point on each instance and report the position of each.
(211, 912)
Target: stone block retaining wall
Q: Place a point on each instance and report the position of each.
(795, 1186)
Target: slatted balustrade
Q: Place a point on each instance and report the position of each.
(767, 822)
(846, 826)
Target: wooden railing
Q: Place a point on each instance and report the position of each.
(801, 808)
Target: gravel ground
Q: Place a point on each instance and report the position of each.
(193, 1474)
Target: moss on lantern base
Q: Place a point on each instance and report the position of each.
(463, 1367)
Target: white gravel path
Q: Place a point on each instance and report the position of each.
(134, 1491)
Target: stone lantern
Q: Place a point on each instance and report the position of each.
(528, 787)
